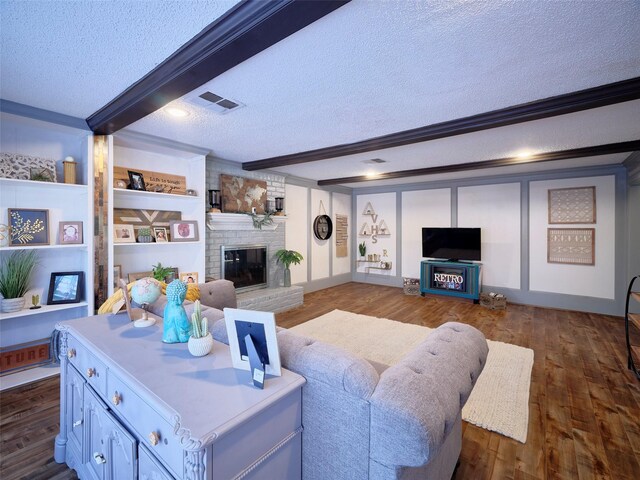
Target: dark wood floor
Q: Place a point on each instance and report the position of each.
(584, 419)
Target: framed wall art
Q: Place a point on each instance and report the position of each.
(160, 234)
(571, 245)
(184, 231)
(123, 234)
(136, 180)
(189, 277)
(243, 195)
(70, 233)
(572, 205)
(28, 227)
(65, 287)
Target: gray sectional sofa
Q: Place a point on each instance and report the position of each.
(383, 422)
(364, 420)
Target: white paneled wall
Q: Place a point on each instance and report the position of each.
(421, 208)
(495, 209)
(588, 280)
(296, 233)
(342, 206)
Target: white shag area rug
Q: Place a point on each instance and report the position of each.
(500, 399)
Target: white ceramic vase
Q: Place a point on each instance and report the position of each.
(199, 347)
(10, 305)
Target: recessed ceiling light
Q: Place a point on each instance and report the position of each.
(177, 112)
(524, 154)
(371, 174)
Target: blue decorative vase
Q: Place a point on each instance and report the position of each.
(176, 323)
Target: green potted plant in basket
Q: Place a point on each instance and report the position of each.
(287, 257)
(15, 278)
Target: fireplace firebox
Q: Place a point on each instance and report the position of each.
(245, 266)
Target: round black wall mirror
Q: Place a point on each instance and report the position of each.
(322, 227)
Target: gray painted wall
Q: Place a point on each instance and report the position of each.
(633, 210)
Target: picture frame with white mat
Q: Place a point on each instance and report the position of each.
(253, 343)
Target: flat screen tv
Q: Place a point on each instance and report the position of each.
(451, 243)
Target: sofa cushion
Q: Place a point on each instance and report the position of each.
(218, 294)
(417, 401)
(327, 363)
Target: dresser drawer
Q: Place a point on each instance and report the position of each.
(91, 369)
(154, 432)
(149, 468)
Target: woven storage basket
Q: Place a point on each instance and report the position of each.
(493, 303)
(411, 286)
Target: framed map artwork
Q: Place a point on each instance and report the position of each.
(242, 195)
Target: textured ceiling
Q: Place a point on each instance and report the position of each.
(372, 68)
(367, 69)
(73, 57)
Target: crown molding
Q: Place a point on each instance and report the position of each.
(497, 162)
(247, 29)
(603, 95)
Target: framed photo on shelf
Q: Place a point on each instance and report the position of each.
(28, 227)
(189, 277)
(65, 287)
(70, 233)
(132, 277)
(117, 275)
(184, 231)
(136, 180)
(123, 234)
(161, 234)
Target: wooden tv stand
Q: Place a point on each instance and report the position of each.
(133, 407)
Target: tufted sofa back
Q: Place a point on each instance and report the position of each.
(417, 401)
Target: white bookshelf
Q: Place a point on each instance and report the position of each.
(64, 202)
(141, 152)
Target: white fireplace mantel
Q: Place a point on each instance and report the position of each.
(239, 221)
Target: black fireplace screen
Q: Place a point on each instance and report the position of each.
(245, 266)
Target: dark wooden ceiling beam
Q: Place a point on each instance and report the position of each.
(498, 162)
(603, 95)
(249, 28)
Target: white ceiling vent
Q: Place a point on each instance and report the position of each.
(374, 161)
(214, 102)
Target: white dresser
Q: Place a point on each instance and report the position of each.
(134, 407)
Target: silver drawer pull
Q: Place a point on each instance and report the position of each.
(71, 353)
(116, 399)
(77, 424)
(91, 372)
(99, 458)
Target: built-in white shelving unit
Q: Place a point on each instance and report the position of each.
(141, 152)
(65, 202)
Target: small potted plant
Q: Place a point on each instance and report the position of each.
(200, 342)
(362, 248)
(287, 257)
(144, 235)
(15, 277)
(163, 274)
